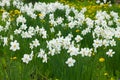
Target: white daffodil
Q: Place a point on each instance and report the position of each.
(14, 46)
(45, 58)
(110, 53)
(70, 62)
(86, 52)
(5, 40)
(73, 51)
(97, 43)
(1, 28)
(112, 42)
(41, 53)
(36, 43)
(26, 58)
(11, 37)
(20, 19)
(78, 38)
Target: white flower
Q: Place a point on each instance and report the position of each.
(59, 34)
(110, 53)
(70, 62)
(110, 5)
(43, 32)
(17, 31)
(1, 28)
(85, 31)
(72, 24)
(86, 52)
(23, 26)
(45, 58)
(84, 9)
(66, 42)
(26, 58)
(25, 34)
(104, 1)
(112, 42)
(97, 43)
(11, 37)
(5, 15)
(73, 51)
(31, 46)
(52, 52)
(36, 43)
(41, 53)
(70, 19)
(117, 32)
(21, 19)
(5, 40)
(110, 22)
(14, 46)
(52, 29)
(59, 20)
(114, 14)
(101, 3)
(105, 42)
(97, 1)
(78, 38)
(108, 33)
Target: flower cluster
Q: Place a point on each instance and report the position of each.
(41, 28)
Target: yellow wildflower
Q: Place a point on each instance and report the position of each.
(16, 12)
(106, 74)
(40, 14)
(112, 78)
(2, 10)
(101, 59)
(77, 30)
(13, 58)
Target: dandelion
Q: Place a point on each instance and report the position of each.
(77, 31)
(17, 12)
(106, 74)
(101, 59)
(13, 58)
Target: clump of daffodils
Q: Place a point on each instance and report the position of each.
(44, 33)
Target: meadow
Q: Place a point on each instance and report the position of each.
(59, 40)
